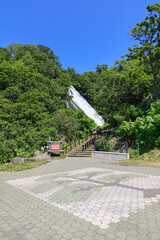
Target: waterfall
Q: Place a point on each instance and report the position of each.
(82, 104)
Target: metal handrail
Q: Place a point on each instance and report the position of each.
(76, 143)
(81, 141)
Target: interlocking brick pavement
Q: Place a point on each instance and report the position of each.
(81, 198)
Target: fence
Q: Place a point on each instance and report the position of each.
(88, 140)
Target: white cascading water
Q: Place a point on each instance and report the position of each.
(81, 103)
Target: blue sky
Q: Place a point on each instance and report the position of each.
(83, 33)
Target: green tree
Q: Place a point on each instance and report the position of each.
(125, 84)
(101, 68)
(147, 33)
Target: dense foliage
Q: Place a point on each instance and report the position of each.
(144, 132)
(34, 91)
(33, 94)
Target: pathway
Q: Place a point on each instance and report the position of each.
(81, 199)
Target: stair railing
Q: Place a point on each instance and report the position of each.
(124, 147)
(91, 137)
(90, 142)
(77, 143)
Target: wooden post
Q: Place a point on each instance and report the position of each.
(126, 147)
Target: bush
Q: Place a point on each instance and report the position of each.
(105, 145)
(134, 153)
(3, 159)
(145, 131)
(157, 143)
(125, 113)
(22, 153)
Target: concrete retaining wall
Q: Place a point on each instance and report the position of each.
(110, 155)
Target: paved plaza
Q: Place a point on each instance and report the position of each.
(81, 199)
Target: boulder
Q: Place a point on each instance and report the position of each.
(17, 160)
(42, 156)
(37, 153)
(32, 159)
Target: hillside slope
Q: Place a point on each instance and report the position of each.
(33, 94)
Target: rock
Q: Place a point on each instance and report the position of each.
(42, 156)
(32, 159)
(37, 153)
(17, 160)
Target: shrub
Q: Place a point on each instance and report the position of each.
(145, 130)
(105, 145)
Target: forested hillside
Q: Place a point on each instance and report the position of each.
(34, 91)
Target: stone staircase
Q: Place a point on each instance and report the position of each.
(77, 152)
(85, 148)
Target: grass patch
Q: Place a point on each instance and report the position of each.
(151, 158)
(59, 158)
(9, 167)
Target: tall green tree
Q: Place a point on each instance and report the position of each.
(147, 33)
(101, 68)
